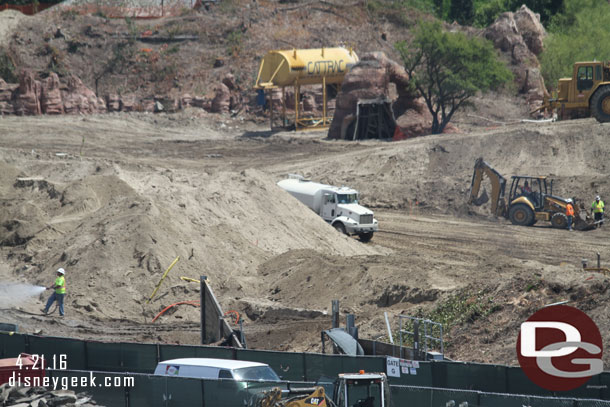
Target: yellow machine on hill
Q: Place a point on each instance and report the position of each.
(325, 67)
(349, 390)
(586, 93)
(529, 200)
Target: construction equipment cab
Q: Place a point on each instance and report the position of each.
(362, 390)
(348, 390)
(529, 200)
(586, 93)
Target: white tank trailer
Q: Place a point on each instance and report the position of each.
(336, 205)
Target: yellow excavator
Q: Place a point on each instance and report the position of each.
(586, 93)
(530, 199)
(348, 390)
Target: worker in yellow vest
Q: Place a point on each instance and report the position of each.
(598, 211)
(60, 291)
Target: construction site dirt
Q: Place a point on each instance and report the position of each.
(114, 199)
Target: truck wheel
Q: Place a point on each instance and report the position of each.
(365, 237)
(521, 214)
(340, 228)
(600, 104)
(559, 220)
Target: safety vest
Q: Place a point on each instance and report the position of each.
(569, 210)
(598, 206)
(60, 281)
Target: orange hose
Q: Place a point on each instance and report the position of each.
(235, 314)
(194, 303)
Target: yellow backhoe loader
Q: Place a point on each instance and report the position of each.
(586, 93)
(529, 200)
(348, 390)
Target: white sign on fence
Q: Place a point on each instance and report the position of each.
(393, 366)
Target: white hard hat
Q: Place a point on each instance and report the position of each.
(569, 200)
(61, 271)
(597, 198)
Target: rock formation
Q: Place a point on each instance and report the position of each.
(128, 103)
(227, 96)
(80, 99)
(51, 96)
(113, 102)
(6, 97)
(370, 79)
(222, 99)
(27, 101)
(520, 37)
(51, 101)
(186, 101)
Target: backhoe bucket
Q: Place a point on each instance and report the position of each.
(481, 199)
(584, 224)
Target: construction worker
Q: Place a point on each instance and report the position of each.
(598, 211)
(569, 214)
(60, 291)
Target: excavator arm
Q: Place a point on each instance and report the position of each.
(498, 184)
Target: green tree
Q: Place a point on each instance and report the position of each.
(580, 34)
(447, 69)
(487, 11)
(462, 11)
(439, 8)
(8, 71)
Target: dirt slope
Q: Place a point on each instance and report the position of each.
(127, 220)
(149, 188)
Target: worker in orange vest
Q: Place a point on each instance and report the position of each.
(569, 213)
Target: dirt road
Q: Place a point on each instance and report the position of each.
(118, 207)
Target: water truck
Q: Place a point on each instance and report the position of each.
(336, 205)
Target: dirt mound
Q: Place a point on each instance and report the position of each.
(116, 228)
(411, 174)
(148, 188)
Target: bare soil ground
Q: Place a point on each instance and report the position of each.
(115, 198)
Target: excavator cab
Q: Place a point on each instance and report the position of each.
(534, 189)
(362, 390)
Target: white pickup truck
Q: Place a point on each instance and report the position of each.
(336, 205)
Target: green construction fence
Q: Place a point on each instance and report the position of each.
(307, 367)
(116, 390)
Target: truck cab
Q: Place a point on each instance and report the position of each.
(338, 206)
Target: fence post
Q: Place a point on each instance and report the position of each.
(304, 366)
(202, 306)
(335, 313)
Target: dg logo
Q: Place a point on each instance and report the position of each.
(560, 348)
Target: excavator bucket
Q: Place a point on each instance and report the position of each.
(481, 199)
(583, 224)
